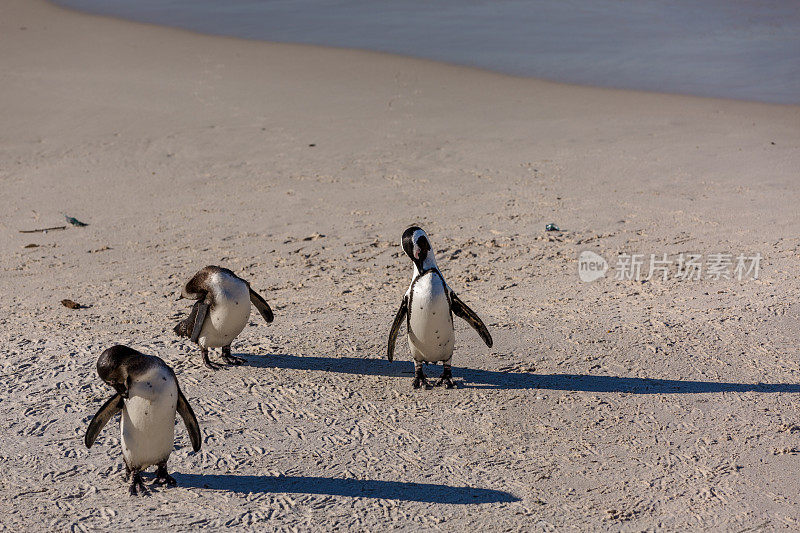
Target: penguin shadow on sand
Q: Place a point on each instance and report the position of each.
(348, 487)
(490, 379)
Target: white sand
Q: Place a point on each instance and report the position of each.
(182, 150)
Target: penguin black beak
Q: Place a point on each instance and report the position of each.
(421, 249)
(121, 389)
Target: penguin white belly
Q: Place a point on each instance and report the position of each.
(148, 418)
(229, 313)
(430, 334)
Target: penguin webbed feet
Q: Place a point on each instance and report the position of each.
(208, 362)
(231, 359)
(446, 381)
(420, 381)
(163, 477)
(137, 487)
(446, 378)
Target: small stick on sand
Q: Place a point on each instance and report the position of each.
(42, 229)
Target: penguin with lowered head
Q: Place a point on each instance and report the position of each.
(148, 395)
(427, 308)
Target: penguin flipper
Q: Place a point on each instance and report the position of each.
(185, 327)
(461, 310)
(398, 321)
(185, 410)
(262, 305)
(110, 408)
(199, 312)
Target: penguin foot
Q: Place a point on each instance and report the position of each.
(234, 360)
(207, 361)
(447, 381)
(420, 380)
(137, 487)
(162, 478)
(167, 480)
(212, 366)
(446, 378)
(420, 383)
(231, 359)
(126, 475)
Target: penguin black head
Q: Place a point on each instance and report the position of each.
(416, 245)
(115, 365)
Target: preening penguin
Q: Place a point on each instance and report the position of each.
(221, 311)
(428, 307)
(148, 396)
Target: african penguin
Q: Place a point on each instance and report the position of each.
(221, 312)
(148, 396)
(428, 307)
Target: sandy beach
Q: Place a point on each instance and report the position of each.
(619, 405)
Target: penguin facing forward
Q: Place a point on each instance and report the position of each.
(428, 307)
(148, 395)
(221, 312)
